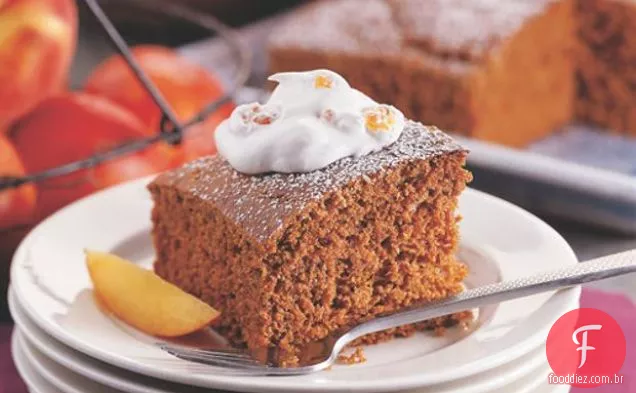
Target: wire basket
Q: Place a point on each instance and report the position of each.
(171, 129)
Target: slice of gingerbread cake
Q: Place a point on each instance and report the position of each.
(323, 209)
(500, 71)
(606, 80)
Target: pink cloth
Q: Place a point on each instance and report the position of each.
(623, 310)
(618, 306)
(10, 382)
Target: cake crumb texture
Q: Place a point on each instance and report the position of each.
(356, 357)
(606, 75)
(374, 241)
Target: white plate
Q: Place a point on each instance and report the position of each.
(34, 381)
(50, 375)
(58, 376)
(135, 383)
(49, 277)
(87, 366)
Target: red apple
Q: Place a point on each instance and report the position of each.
(37, 41)
(74, 126)
(187, 87)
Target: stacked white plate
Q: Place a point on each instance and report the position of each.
(65, 343)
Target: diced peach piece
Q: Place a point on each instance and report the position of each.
(144, 300)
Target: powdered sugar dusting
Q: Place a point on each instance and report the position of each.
(346, 25)
(259, 204)
(464, 29)
(463, 26)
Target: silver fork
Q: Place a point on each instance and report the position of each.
(325, 352)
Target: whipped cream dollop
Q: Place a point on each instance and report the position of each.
(311, 119)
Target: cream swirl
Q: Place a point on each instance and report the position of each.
(311, 119)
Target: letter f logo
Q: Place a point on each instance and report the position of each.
(583, 344)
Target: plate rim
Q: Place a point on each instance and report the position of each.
(27, 333)
(567, 299)
(55, 381)
(26, 347)
(28, 329)
(26, 370)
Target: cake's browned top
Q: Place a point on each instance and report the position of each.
(455, 29)
(259, 204)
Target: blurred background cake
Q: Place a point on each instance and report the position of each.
(606, 80)
(492, 70)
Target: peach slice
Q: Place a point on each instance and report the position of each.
(144, 300)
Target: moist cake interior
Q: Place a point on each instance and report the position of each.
(289, 258)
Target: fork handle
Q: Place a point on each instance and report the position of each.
(594, 270)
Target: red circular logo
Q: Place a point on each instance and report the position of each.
(586, 348)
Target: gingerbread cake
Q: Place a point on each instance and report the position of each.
(606, 81)
(290, 257)
(500, 71)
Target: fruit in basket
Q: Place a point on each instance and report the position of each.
(37, 41)
(74, 126)
(144, 300)
(185, 85)
(16, 205)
